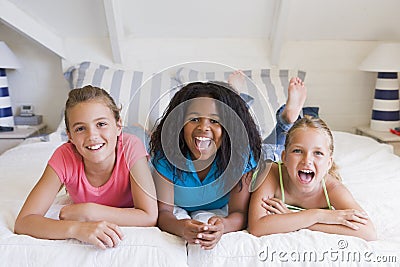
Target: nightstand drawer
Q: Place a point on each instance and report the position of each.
(396, 148)
(382, 137)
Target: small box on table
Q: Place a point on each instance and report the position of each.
(28, 120)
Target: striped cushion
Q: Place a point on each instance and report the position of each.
(268, 88)
(143, 98)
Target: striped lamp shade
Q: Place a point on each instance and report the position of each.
(6, 115)
(386, 105)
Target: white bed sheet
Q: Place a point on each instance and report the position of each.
(369, 170)
(20, 168)
(372, 174)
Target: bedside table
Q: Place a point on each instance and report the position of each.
(382, 137)
(20, 133)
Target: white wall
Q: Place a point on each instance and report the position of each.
(343, 93)
(39, 81)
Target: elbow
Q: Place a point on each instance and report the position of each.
(255, 230)
(18, 229)
(369, 232)
(371, 235)
(152, 219)
(371, 238)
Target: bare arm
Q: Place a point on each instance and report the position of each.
(343, 201)
(238, 206)
(185, 228)
(144, 199)
(273, 217)
(236, 219)
(31, 220)
(259, 222)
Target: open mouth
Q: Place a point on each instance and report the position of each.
(95, 147)
(202, 142)
(306, 176)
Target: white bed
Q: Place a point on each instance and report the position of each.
(372, 173)
(369, 169)
(20, 169)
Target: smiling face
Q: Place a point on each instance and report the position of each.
(307, 157)
(202, 131)
(94, 131)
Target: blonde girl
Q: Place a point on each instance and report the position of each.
(305, 191)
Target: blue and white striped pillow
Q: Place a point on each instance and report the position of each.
(268, 88)
(143, 98)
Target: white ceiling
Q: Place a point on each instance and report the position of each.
(53, 21)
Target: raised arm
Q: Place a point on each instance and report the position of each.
(31, 220)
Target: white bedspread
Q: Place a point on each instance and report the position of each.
(369, 170)
(20, 168)
(372, 174)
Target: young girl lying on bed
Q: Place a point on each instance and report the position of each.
(204, 150)
(104, 171)
(304, 191)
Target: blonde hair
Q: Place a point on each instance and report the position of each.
(90, 93)
(319, 124)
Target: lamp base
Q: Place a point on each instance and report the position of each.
(383, 126)
(386, 105)
(6, 115)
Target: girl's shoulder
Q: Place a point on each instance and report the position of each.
(128, 140)
(267, 176)
(131, 147)
(332, 183)
(128, 137)
(66, 149)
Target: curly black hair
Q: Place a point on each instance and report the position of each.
(224, 93)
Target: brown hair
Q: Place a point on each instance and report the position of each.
(90, 93)
(319, 124)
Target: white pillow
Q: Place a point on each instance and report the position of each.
(268, 88)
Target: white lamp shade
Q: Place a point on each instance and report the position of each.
(384, 58)
(7, 58)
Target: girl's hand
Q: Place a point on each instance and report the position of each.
(191, 229)
(208, 239)
(274, 206)
(343, 217)
(77, 212)
(101, 234)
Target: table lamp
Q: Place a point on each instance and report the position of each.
(7, 61)
(385, 59)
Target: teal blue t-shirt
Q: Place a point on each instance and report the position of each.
(192, 194)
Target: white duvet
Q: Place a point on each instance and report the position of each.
(372, 174)
(369, 170)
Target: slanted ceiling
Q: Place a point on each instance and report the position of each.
(52, 22)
